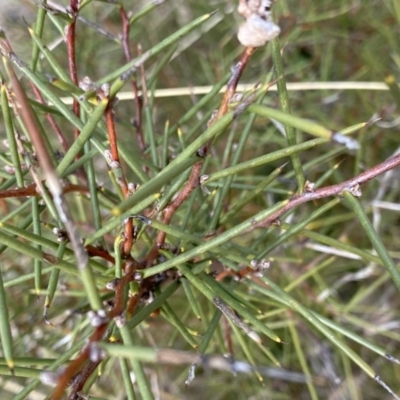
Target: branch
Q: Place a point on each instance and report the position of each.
(194, 179)
(333, 190)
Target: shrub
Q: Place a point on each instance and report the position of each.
(215, 241)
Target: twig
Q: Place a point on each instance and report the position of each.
(331, 190)
(138, 100)
(31, 190)
(234, 80)
(70, 33)
(116, 164)
(30, 120)
(82, 367)
(77, 365)
(193, 181)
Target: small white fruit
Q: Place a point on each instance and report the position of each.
(256, 31)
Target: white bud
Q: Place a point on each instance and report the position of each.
(120, 320)
(309, 186)
(260, 7)
(96, 354)
(204, 178)
(97, 318)
(256, 31)
(112, 285)
(49, 378)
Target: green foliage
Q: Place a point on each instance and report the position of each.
(145, 238)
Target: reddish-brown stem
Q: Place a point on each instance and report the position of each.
(138, 101)
(76, 365)
(130, 267)
(76, 111)
(80, 380)
(193, 181)
(223, 274)
(170, 209)
(228, 336)
(112, 137)
(230, 89)
(233, 81)
(70, 35)
(31, 191)
(96, 252)
(128, 242)
(331, 190)
(80, 368)
(133, 302)
(315, 195)
(89, 368)
(3, 207)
